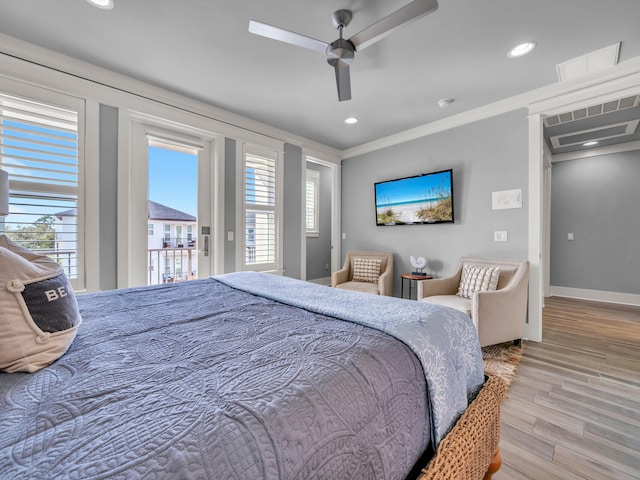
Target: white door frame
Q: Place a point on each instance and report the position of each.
(133, 188)
(335, 173)
(612, 85)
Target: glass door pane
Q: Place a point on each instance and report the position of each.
(173, 208)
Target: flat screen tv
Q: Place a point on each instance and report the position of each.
(419, 200)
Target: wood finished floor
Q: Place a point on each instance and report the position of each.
(573, 410)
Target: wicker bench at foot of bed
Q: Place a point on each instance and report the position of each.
(470, 449)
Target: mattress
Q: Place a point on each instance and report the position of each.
(210, 379)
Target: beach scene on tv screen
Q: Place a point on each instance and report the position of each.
(415, 200)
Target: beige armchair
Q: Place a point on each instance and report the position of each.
(382, 285)
(499, 315)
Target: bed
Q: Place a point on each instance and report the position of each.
(251, 375)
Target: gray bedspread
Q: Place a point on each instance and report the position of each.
(200, 380)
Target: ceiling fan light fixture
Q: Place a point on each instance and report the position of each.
(351, 120)
(522, 49)
(104, 4)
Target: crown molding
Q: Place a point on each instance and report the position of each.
(620, 80)
(25, 61)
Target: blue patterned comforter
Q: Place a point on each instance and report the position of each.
(203, 380)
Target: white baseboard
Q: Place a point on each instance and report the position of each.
(321, 281)
(596, 295)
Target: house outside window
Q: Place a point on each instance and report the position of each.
(150, 229)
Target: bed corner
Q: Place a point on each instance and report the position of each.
(470, 450)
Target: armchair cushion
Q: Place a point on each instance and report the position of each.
(454, 301)
(366, 270)
(477, 279)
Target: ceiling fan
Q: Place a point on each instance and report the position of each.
(340, 53)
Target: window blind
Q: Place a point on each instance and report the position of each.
(311, 201)
(260, 232)
(39, 150)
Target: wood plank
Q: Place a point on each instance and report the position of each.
(577, 395)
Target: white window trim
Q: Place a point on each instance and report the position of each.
(314, 177)
(266, 148)
(182, 127)
(88, 168)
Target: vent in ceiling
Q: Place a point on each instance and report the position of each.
(594, 134)
(592, 111)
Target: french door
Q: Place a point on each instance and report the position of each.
(171, 194)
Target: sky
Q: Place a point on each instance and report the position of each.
(173, 179)
(409, 189)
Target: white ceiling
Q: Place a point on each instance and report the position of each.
(202, 49)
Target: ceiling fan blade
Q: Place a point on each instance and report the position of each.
(343, 81)
(403, 16)
(276, 33)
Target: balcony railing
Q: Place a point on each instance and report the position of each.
(179, 242)
(169, 265)
(67, 259)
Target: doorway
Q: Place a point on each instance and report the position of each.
(321, 255)
(172, 251)
(169, 188)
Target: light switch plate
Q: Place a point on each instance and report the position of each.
(500, 236)
(506, 199)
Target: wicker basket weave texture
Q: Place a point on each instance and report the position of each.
(468, 449)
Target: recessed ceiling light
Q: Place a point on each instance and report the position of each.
(351, 120)
(445, 102)
(105, 4)
(589, 144)
(521, 50)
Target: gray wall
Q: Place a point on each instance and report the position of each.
(486, 156)
(292, 211)
(229, 204)
(319, 248)
(108, 196)
(598, 200)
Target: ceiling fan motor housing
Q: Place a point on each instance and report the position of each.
(340, 51)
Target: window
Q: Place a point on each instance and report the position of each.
(260, 213)
(179, 239)
(150, 229)
(311, 203)
(167, 232)
(39, 148)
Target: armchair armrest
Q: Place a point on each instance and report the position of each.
(385, 283)
(438, 286)
(501, 313)
(340, 276)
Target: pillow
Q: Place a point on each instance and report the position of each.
(366, 269)
(477, 279)
(39, 314)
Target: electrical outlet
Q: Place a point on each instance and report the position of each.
(500, 236)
